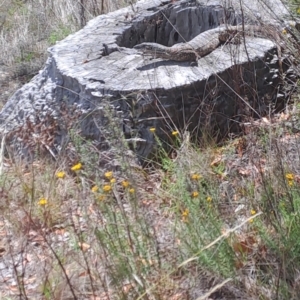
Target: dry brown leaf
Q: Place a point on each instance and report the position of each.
(35, 237)
(103, 296)
(29, 257)
(83, 274)
(245, 172)
(146, 202)
(145, 262)
(265, 120)
(284, 116)
(297, 178)
(149, 188)
(30, 280)
(127, 287)
(84, 247)
(2, 251)
(91, 209)
(14, 288)
(244, 246)
(60, 231)
(178, 296)
(240, 146)
(216, 161)
(238, 264)
(263, 251)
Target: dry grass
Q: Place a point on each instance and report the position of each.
(28, 28)
(222, 221)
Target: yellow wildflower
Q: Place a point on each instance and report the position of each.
(196, 176)
(77, 167)
(42, 201)
(125, 183)
(298, 10)
(108, 175)
(289, 176)
(152, 129)
(60, 174)
(106, 188)
(113, 180)
(101, 197)
(252, 212)
(195, 194)
(185, 213)
(131, 191)
(175, 132)
(284, 31)
(95, 188)
(208, 199)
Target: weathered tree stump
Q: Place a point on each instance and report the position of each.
(98, 65)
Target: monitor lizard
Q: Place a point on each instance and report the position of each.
(202, 44)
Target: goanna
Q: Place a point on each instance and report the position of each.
(201, 45)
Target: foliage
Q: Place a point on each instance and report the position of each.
(58, 34)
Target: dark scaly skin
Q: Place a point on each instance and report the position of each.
(170, 53)
(201, 45)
